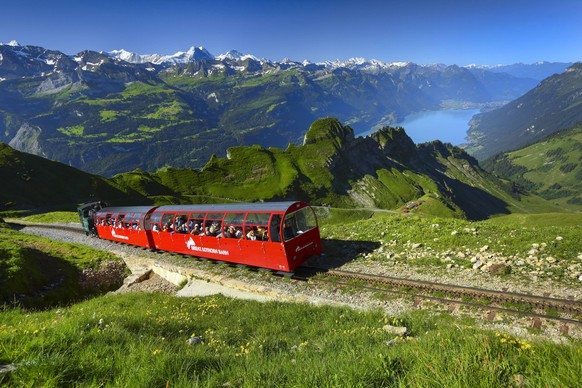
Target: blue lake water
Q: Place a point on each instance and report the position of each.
(448, 126)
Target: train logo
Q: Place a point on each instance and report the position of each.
(191, 244)
(118, 235)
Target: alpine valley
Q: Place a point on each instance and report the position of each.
(108, 113)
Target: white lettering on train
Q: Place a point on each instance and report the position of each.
(191, 245)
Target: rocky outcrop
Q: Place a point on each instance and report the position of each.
(27, 140)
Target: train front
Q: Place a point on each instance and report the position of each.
(300, 234)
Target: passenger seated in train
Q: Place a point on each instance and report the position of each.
(232, 232)
(168, 227)
(183, 228)
(195, 229)
(251, 235)
(213, 229)
(262, 234)
(156, 228)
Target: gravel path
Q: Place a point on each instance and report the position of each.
(205, 278)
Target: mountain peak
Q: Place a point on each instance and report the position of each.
(193, 54)
(235, 55)
(12, 43)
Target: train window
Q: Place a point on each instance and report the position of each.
(147, 221)
(258, 218)
(167, 222)
(181, 223)
(256, 226)
(298, 223)
(233, 225)
(213, 224)
(154, 222)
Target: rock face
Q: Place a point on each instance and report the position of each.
(27, 139)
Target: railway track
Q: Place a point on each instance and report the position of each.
(74, 229)
(492, 300)
(454, 295)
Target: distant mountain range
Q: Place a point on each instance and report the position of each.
(537, 71)
(112, 112)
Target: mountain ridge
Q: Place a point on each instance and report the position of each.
(554, 104)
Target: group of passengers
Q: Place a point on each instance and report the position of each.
(213, 229)
(118, 223)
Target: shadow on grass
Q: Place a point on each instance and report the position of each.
(339, 252)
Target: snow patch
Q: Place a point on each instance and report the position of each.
(212, 95)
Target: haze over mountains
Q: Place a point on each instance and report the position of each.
(112, 112)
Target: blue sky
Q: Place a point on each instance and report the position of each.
(421, 31)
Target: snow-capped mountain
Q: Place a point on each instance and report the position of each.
(193, 54)
(237, 56)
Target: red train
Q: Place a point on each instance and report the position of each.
(274, 235)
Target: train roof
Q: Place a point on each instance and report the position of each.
(126, 209)
(235, 207)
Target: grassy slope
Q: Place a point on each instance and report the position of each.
(143, 341)
(551, 168)
(327, 170)
(551, 106)
(35, 271)
(332, 168)
(143, 338)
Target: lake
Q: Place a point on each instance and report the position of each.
(448, 126)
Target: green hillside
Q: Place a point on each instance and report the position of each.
(30, 181)
(332, 168)
(109, 116)
(552, 168)
(385, 170)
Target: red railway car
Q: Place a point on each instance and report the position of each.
(125, 224)
(274, 235)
